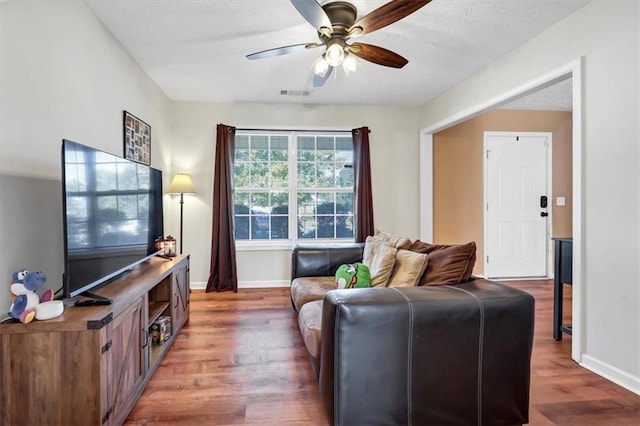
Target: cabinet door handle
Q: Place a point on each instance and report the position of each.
(145, 338)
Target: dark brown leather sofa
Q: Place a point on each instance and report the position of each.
(431, 355)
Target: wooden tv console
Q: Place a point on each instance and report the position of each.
(90, 365)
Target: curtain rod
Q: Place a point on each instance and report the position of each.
(294, 130)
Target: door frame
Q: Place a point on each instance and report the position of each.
(548, 193)
(573, 70)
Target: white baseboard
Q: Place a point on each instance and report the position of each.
(612, 374)
(201, 285)
(264, 284)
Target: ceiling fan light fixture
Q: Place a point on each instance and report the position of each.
(350, 64)
(335, 52)
(320, 66)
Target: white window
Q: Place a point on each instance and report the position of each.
(293, 186)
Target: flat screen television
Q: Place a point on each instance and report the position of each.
(112, 211)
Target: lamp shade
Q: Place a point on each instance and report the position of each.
(181, 184)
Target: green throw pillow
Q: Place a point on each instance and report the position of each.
(353, 275)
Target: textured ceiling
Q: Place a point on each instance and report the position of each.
(553, 98)
(195, 49)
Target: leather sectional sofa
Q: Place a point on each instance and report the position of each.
(425, 355)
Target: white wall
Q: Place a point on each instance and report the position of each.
(394, 158)
(65, 76)
(62, 75)
(607, 35)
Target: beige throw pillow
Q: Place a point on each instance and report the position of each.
(380, 258)
(408, 268)
(391, 240)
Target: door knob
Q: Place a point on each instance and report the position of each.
(544, 214)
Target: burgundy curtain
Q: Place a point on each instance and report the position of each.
(363, 200)
(223, 272)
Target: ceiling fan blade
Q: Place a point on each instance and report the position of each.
(319, 81)
(284, 50)
(314, 14)
(385, 15)
(378, 55)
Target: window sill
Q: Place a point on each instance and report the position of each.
(282, 245)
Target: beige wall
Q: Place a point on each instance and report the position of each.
(62, 76)
(458, 173)
(394, 173)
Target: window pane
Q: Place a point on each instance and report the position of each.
(260, 227)
(242, 142)
(279, 227)
(344, 203)
(344, 146)
(279, 148)
(279, 174)
(259, 175)
(242, 227)
(241, 175)
(326, 177)
(344, 175)
(325, 203)
(325, 226)
(259, 148)
(325, 148)
(306, 148)
(306, 227)
(344, 227)
(306, 175)
(242, 148)
(241, 203)
(306, 203)
(260, 203)
(280, 203)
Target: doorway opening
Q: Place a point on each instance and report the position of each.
(571, 71)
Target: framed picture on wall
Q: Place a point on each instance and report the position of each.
(137, 139)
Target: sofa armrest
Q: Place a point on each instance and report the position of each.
(427, 355)
(323, 259)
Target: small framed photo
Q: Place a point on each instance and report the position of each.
(137, 139)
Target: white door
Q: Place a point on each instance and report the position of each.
(516, 219)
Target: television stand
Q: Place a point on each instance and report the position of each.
(97, 299)
(90, 365)
(164, 256)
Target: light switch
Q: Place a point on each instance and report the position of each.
(560, 201)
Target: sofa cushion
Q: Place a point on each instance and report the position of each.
(447, 264)
(392, 240)
(380, 258)
(309, 321)
(408, 268)
(308, 289)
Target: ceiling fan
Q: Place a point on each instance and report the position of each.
(336, 25)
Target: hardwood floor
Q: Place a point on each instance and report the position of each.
(241, 360)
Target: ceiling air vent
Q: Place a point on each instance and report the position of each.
(284, 92)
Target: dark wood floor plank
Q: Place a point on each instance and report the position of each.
(241, 361)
